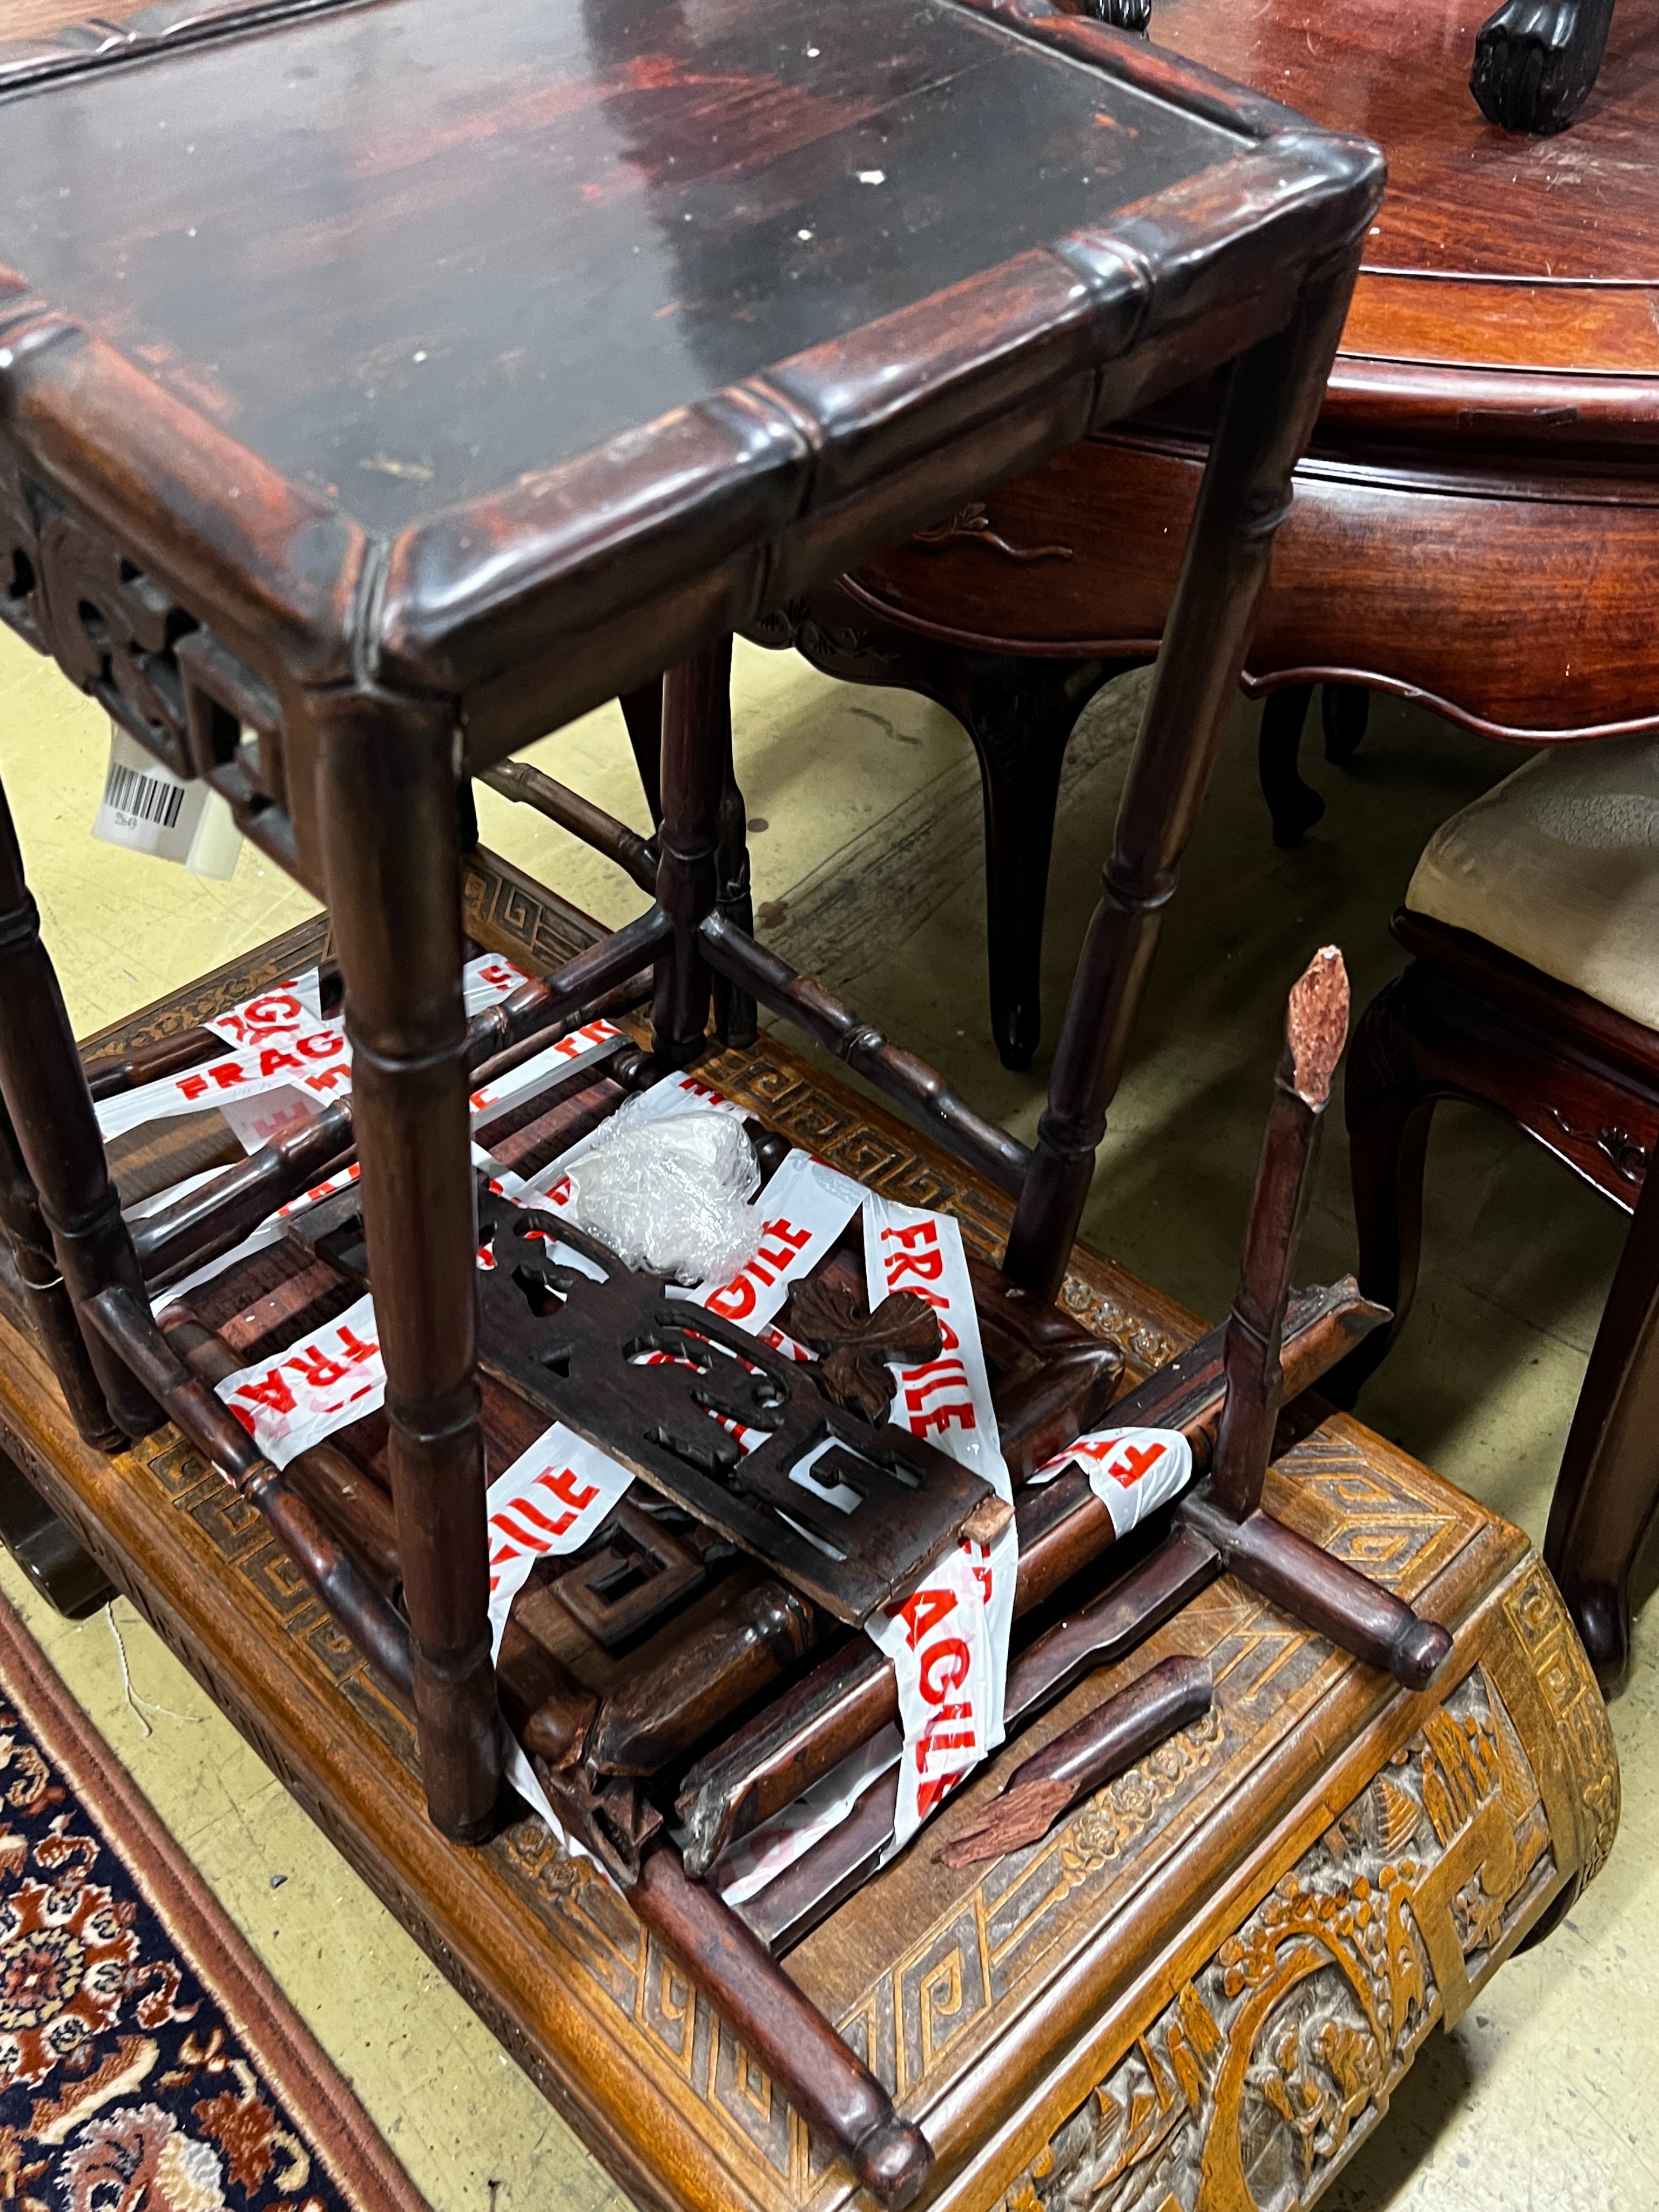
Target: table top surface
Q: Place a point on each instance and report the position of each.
(407, 259)
(1490, 250)
(409, 252)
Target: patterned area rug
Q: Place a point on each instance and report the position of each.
(147, 2061)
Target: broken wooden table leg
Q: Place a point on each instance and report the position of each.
(1346, 1606)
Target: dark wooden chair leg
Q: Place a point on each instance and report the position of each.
(1388, 1102)
(697, 729)
(643, 713)
(1608, 1491)
(1020, 716)
(52, 1557)
(387, 788)
(1294, 805)
(51, 1111)
(1345, 710)
(1273, 395)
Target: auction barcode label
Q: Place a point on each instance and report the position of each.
(145, 806)
(145, 798)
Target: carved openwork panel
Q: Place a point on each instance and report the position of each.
(121, 636)
(1278, 2057)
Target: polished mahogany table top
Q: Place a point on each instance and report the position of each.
(1493, 254)
(549, 311)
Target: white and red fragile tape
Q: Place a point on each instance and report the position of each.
(583, 1048)
(1131, 1471)
(283, 1046)
(948, 1640)
(550, 1500)
(330, 1378)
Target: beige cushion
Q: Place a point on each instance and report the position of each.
(1559, 865)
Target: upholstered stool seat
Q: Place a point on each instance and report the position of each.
(1558, 864)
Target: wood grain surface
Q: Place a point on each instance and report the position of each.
(1322, 1866)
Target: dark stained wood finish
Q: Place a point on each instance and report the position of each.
(1469, 1022)
(591, 2002)
(1316, 1031)
(580, 404)
(1104, 1743)
(1475, 523)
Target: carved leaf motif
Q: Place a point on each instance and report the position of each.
(857, 1345)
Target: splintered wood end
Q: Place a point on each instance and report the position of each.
(987, 1520)
(1316, 1025)
(1023, 1815)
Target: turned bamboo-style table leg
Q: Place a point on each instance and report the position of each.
(387, 787)
(49, 1308)
(1272, 397)
(50, 1112)
(696, 745)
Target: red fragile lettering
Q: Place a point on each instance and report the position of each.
(541, 1532)
(268, 1390)
(944, 1374)
(355, 1347)
(565, 1484)
(922, 1612)
(1136, 1458)
(694, 1089)
(735, 1301)
(327, 1078)
(943, 1668)
(224, 1074)
(273, 1060)
(320, 1044)
(935, 1791)
(938, 1418)
(937, 1737)
(318, 1368)
(926, 1267)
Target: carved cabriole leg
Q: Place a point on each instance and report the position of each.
(1608, 1488)
(51, 1111)
(48, 1299)
(1345, 710)
(1272, 397)
(643, 713)
(1020, 716)
(1294, 805)
(696, 746)
(386, 791)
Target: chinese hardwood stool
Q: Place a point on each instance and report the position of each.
(432, 380)
(1531, 919)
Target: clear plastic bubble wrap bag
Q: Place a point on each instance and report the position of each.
(670, 1192)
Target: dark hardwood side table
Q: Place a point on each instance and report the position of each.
(382, 387)
(1475, 523)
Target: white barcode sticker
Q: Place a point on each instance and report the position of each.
(147, 809)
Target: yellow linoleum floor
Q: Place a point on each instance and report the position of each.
(865, 840)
